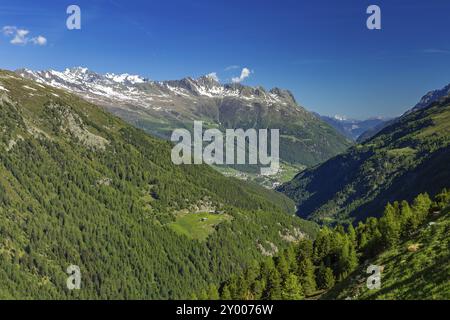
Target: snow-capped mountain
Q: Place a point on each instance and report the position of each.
(352, 128)
(126, 88)
(159, 107)
(339, 117)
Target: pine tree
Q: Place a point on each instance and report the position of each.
(292, 289)
(225, 295)
(282, 266)
(213, 293)
(406, 214)
(363, 237)
(389, 227)
(325, 278)
(304, 249)
(266, 267)
(252, 271)
(234, 287)
(290, 254)
(322, 245)
(193, 297)
(375, 244)
(306, 276)
(203, 295)
(258, 289)
(353, 257)
(352, 235)
(273, 290)
(443, 199)
(347, 260)
(421, 207)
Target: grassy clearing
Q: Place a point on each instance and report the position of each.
(401, 152)
(441, 124)
(197, 225)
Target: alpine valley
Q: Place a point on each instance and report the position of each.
(159, 107)
(79, 186)
(86, 179)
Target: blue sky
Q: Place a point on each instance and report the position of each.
(319, 49)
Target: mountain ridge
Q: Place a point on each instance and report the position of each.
(205, 85)
(410, 155)
(426, 100)
(159, 107)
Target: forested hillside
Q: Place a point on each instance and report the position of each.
(406, 158)
(79, 186)
(409, 244)
(417, 267)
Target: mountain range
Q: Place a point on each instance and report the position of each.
(159, 107)
(353, 128)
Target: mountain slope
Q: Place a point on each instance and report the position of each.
(431, 97)
(417, 268)
(409, 244)
(424, 102)
(408, 157)
(80, 186)
(160, 107)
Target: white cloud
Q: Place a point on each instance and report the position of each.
(40, 40)
(213, 75)
(245, 73)
(8, 30)
(20, 36)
